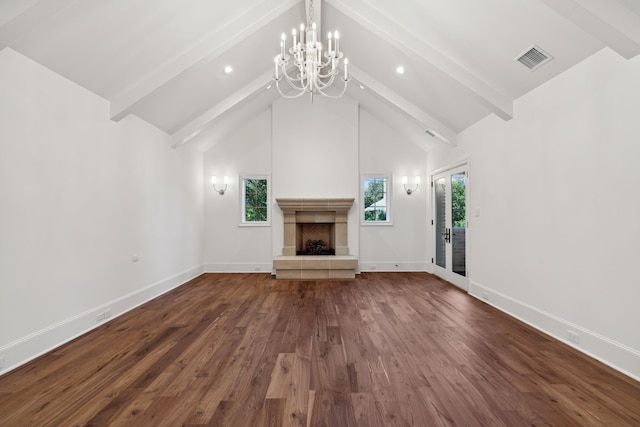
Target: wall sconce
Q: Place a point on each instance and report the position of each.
(225, 181)
(409, 190)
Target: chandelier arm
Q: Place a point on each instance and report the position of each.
(344, 89)
(330, 74)
(323, 85)
(333, 55)
(282, 94)
(322, 64)
(296, 83)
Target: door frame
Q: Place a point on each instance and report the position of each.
(446, 273)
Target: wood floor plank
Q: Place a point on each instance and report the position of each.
(384, 349)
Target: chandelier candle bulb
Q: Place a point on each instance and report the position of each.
(336, 35)
(293, 33)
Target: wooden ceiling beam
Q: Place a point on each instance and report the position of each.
(210, 48)
(414, 47)
(442, 131)
(197, 125)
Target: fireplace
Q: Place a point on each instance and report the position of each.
(315, 240)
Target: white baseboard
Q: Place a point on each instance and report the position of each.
(611, 353)
(257, 267)
(27, 348)
(392, 266)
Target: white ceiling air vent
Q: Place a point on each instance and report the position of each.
(534, 57)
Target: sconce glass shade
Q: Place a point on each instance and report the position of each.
(416, 182)
(214, 181)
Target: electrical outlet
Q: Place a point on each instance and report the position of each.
(107, 313)
(135, 258)
(574, 337)
(373, 267)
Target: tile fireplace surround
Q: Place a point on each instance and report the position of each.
(298, 214)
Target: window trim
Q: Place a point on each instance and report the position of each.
(241, 180)
(388, 176)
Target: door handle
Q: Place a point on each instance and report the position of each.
(447, 236)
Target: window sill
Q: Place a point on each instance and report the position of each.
(376, 223)
(255, 224)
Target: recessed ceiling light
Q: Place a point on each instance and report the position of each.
(400, 69)
(268, 87)
(228, 69)
(361, 87)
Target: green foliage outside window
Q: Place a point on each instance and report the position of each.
(458, 203)
(255, 200)
(375, 199)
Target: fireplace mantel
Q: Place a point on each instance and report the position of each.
(302, 211)
(315, 205)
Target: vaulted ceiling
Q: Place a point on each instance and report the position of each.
(164, 60)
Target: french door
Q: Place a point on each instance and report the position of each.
(449, 196)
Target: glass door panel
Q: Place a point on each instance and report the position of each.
(440, 203)
(450, 225)
(459, 222)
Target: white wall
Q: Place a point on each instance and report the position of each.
(230, 246)
(401, 246)
(557, 238)
(80, 195)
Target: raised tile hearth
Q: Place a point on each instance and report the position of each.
(324, 219)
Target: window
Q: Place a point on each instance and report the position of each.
(376, 199)
(255, 200)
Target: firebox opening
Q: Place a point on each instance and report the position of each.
(315, 239)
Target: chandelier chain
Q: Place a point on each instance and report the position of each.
(311, 15)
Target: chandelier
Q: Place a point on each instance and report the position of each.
(315, 70)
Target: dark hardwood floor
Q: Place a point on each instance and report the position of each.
(385, 349)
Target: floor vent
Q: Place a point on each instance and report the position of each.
(534, 57)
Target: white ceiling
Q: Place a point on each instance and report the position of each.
(163, 60)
